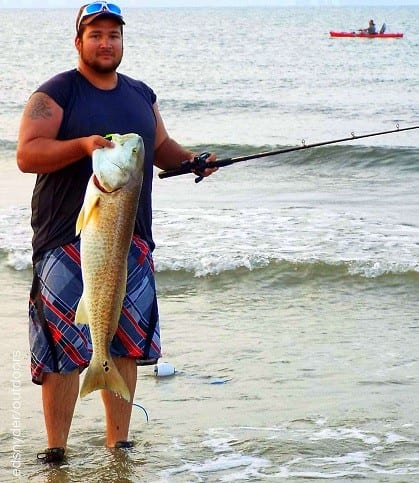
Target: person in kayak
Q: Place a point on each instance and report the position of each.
(371, 28)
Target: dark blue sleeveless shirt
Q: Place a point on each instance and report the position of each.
(58, 196)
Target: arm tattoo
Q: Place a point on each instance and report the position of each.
(40, 107)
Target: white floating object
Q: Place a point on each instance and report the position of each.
(164, 369)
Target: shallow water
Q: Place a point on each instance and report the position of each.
(307, 377)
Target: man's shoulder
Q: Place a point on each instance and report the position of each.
(138, 85)
(59, 80)
(59, 86)
(131, 81)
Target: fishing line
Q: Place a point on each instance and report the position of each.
(200, 163)
(143, 408)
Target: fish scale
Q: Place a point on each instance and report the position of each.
(106, 223)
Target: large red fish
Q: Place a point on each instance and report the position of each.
(106, 224)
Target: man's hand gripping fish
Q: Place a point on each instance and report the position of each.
(106, 223)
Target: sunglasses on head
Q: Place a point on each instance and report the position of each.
(99, 7)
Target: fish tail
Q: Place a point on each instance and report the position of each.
(104, 375)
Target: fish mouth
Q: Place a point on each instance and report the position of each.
(101, 187)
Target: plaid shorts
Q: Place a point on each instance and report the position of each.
(58, 344)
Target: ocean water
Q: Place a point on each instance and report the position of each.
(288, 285)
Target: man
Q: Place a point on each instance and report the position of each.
(64, 121)
(371, 30)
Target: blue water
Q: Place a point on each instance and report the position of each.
(292, 279)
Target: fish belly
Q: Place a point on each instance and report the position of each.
(105, 242)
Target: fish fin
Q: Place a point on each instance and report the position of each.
(81, 316)
(86, 213)
(104, 375)
(80, 220)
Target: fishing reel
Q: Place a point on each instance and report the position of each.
(198, 165)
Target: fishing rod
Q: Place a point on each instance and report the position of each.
(200, 163)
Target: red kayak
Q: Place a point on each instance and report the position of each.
(367, 36)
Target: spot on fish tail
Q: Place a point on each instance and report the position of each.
(105, 365)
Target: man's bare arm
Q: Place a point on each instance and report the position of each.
(38, 150)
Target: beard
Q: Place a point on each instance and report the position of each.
(98, 66)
